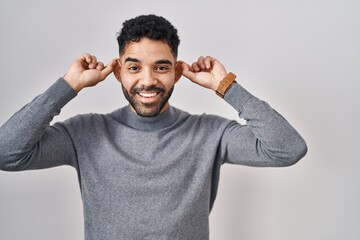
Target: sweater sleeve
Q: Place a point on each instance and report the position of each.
(27, 141)
(267, 139)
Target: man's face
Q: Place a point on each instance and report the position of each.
(147, 75)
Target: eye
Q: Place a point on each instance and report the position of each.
(133, 68)
(162, 68)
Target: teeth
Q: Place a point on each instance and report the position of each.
(147, 95)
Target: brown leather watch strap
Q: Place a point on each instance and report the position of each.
(225, 84)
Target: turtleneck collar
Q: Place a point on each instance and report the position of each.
(133, 120)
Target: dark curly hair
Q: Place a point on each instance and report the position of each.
(148, 26)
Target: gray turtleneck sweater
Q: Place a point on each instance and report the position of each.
(147, 178)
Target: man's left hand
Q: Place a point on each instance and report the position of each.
(206, 72)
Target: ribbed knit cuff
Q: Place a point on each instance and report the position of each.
(237, 96)
(60, 93)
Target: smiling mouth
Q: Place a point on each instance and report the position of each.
(148, 94)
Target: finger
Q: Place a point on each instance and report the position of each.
(93, 59)
(208, 61)
(93, 62)
(100, 66)
(88, 61)
(201, 63)
(195, 66)
(87, 58)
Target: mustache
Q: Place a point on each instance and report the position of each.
(147, 88)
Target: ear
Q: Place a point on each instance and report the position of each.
(117, 70)
(178, 70)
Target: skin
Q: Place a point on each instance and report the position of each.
(147, 71)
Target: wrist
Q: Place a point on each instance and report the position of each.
(217, 82)
(74, 84)
(225, 84)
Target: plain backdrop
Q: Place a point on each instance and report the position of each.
(301, 56)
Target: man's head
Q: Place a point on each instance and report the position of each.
(147, 66)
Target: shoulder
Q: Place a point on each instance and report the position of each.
(86, 121)
(204, 119)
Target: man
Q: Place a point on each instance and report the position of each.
(147, 170)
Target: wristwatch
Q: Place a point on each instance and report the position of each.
(225, 84)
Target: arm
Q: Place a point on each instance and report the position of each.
(266, 140)
(26, 139)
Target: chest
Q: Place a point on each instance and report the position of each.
(147, 163)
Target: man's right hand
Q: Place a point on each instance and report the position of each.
(86, 71)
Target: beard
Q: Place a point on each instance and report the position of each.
(147, 109)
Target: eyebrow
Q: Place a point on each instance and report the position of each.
(129, 59)
(162, 61)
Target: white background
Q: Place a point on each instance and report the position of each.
(301, 56)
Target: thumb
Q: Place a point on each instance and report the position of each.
(108, 69)
(187, 71)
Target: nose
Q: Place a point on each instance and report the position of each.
(148, 77)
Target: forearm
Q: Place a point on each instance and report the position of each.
(270, 140)
(21, 135)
